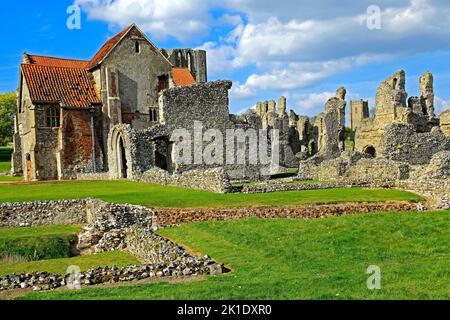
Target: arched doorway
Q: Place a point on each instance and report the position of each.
(370, 150)
(28, 159)
(122, 159)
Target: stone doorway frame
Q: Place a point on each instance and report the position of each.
(119, 154)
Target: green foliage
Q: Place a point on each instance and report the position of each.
(5, 159)
(8, 105)
(299, 259)
(37, 243)
(59, 266)
(162, 196)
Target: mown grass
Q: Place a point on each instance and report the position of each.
(5, 159)
(36, 243)
(162, 196)
(316, 259)
(59, 266)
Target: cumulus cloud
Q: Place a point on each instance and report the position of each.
(219, 57)
(441, 105)
(287, 44)
(180, 19)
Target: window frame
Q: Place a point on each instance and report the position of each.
(52, 117)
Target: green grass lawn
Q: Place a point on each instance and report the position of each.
(59, 266)
(5, 159)
(161, 196)
(315, 259)
(36, 243)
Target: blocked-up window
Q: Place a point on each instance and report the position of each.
(52, 117)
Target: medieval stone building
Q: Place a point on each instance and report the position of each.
(113, 114)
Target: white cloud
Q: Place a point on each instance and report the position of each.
(219, 58)
(177, 18)
(441, 105)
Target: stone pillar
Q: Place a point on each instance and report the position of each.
(271, 106)
(427, 93)
(282, 106)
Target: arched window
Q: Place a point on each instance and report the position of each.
(190, 62)
(179, 59)
(52, 117)
(371, 151)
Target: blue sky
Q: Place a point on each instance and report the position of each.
(302, 49)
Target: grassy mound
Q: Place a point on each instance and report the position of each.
(316, 259)
(162, 196)
(37, 243)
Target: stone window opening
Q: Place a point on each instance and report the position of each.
(153, 114)
(395, 83)
(137, 47)
(189, 61)
(52, 117)
(163, 83)
(180, 59)
(370, 151)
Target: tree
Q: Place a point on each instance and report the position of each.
(8, 107)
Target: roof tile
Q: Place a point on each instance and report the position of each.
(57, 62)
(182, 77)
(71, 87)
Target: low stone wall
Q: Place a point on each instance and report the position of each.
(353, 166)
(214, 180)
(83, 211)
(175, 217)
(436, 191)
(292, 186)
(112, 227)
(45, 281)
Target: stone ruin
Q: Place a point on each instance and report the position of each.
(404, 141)
(300, 137)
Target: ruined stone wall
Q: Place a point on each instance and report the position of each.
(359, 110)
(138, 149)
(401, 142)
(213, 180)
(194, 60)
(68, 212)
(391, 107)
(445, 122)
(182, 107)
(354, 166)
(435, 191)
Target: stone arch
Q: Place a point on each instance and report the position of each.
(190, 61)
(28, 164)
(180, 59)
(370, 150)
(120, 153)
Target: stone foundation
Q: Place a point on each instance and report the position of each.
(175, 217)
(213, 180)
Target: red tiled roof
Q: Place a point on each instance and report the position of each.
(71, 87)
(107, 47)
(57, 62)
(182, 77)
